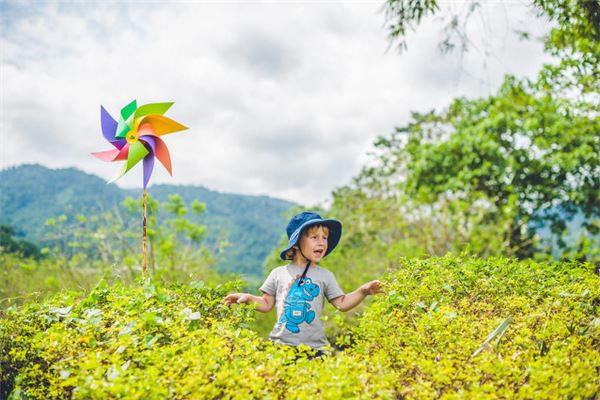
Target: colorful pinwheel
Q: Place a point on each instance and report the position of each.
(137, 136)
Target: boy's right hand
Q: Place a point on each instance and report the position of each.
(236, 298)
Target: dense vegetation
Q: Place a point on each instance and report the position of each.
(446, 328)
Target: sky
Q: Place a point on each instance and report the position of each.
(282, 98)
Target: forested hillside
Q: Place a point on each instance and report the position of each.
(243, 229)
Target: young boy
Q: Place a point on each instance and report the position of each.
(300, 287)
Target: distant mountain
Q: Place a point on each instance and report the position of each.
(253, 225)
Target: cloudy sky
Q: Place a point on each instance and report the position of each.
(281, 98)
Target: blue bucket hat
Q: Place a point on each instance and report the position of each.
(306, 219)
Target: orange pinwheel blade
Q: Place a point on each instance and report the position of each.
(146, 129)
(162, 153)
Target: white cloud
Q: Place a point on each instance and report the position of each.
(282, 99)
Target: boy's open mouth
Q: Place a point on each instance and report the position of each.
(318, 252)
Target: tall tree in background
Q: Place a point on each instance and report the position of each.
(483, 174)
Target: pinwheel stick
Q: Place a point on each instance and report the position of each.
(144, 232)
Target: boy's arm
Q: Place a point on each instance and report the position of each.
(351, 300)
(265, 303)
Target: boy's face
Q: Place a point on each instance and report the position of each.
(313, 243)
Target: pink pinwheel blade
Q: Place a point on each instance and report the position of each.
(148, 167)
(108, 155)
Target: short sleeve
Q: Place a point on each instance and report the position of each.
(332, 289)
(270, 285)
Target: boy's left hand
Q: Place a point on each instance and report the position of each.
(372, 287)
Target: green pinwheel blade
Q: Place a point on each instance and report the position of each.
(154, 108)
(137, 151)
(126, 120)
(128, 109)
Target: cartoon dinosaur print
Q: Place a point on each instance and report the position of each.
(297, 309)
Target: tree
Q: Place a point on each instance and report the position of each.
(517, 153)
(485, 173)
(527, 155)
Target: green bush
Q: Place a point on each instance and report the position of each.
(425, 338)
(438, 312)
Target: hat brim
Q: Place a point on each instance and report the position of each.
(335, 233)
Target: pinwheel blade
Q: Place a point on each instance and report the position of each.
(146, 129)
(107, 155)
(136, 151)
(119, 143)
(109, 125)
(124, 153)
(119, 174)
(160, 150)
(162, 125)
(162, 153)
(153, 108)
(148, 167)
(126, 120)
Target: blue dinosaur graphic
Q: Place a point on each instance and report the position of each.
(297, 309)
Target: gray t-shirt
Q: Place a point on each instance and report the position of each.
(299, 308)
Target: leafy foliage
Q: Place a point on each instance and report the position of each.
(438, 312)
(402, 15)
(514, 153)
(488, 174)
(114, 237)
(88, 248)
(9, 242)
(426, 338)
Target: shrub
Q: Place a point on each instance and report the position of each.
(438, 312)
(425, 338)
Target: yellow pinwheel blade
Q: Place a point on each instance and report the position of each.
(161, 124)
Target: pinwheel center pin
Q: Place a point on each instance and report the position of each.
(132, 136)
